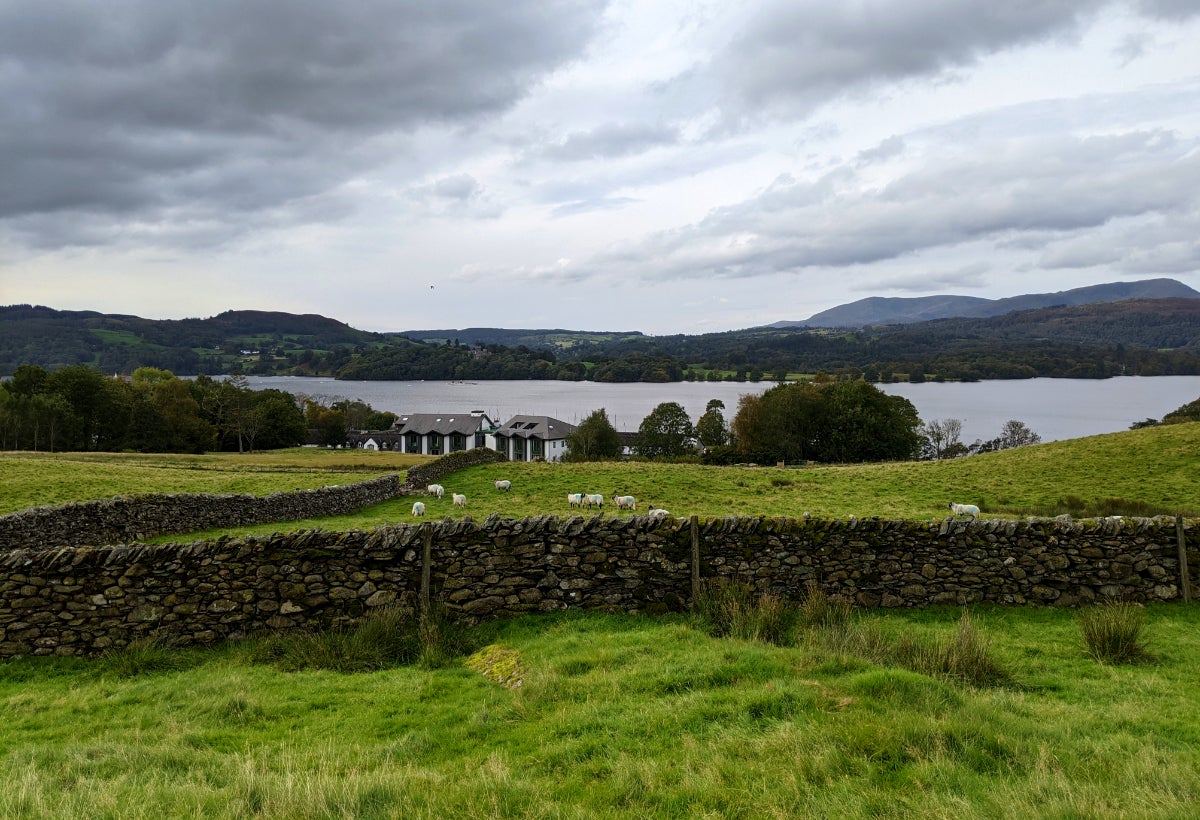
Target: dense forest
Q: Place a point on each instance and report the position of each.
(1144, 337)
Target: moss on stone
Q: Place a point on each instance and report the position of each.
(499, 664)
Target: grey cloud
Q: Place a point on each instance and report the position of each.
(611, 203)
(459, 186)
(891, 147)
(1168, 9)
(965, 277)
(794, 56)
(153, 110)
(1048, 189)
(613, 140)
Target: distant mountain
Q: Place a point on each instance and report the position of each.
(878, 310)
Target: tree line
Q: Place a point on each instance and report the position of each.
(78, 408)
(827, 421)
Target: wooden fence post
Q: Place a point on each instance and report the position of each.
(695, 521)
(1185, 581)
(426, 561)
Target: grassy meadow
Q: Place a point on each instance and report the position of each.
(625, 716)
(1139, 472)
(619, 716)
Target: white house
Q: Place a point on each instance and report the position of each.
(526, 438)
(436, 434)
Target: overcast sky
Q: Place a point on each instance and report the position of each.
(669, 167)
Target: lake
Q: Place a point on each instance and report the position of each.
(1053, 408)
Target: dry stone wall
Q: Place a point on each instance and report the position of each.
(123, 519)
(85, 600)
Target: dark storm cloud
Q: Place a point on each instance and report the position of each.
(158, 110)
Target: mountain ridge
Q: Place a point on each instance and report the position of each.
(894, 310)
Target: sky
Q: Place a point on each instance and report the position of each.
(667, 167)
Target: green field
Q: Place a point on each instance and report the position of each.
(1140, 472)
(618, 716)
(626, 716)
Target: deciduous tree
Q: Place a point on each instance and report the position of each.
(666, 432)
(594, 439)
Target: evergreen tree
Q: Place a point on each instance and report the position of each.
(711, 428)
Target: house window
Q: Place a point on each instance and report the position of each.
(435, 445)
(518, 449)
(480, 440)
(457, 442)
(535, 448)
(412, 443)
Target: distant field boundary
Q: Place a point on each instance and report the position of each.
(87, 600)
(128, 518)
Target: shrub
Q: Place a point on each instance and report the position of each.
(1112, 632)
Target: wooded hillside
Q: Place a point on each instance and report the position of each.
(1133, 337)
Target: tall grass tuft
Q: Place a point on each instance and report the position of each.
(736, 610)
(442, 639)
(143, 656)
(964, 657)
(388, 637)
(1112, 632)
(819, 610)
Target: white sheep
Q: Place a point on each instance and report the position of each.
(964, 509)
(575, 499)
(594, 500)
(625, 502)
(436, 489)
(658, 514)
(503, 485)
(459, 499)
(418, 508)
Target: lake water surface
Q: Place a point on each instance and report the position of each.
(1053, 408)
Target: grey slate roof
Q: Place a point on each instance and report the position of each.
(543, 427)
(442, 423)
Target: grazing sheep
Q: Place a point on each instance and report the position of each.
(418, 508)
(459, 499)
(575, 499)
(964, 509)
(658, 514)
(625, 502)
(503, 485)
(436, 489)
(594, 500)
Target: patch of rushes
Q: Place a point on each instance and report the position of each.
(1112, 632)
(387, 637)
